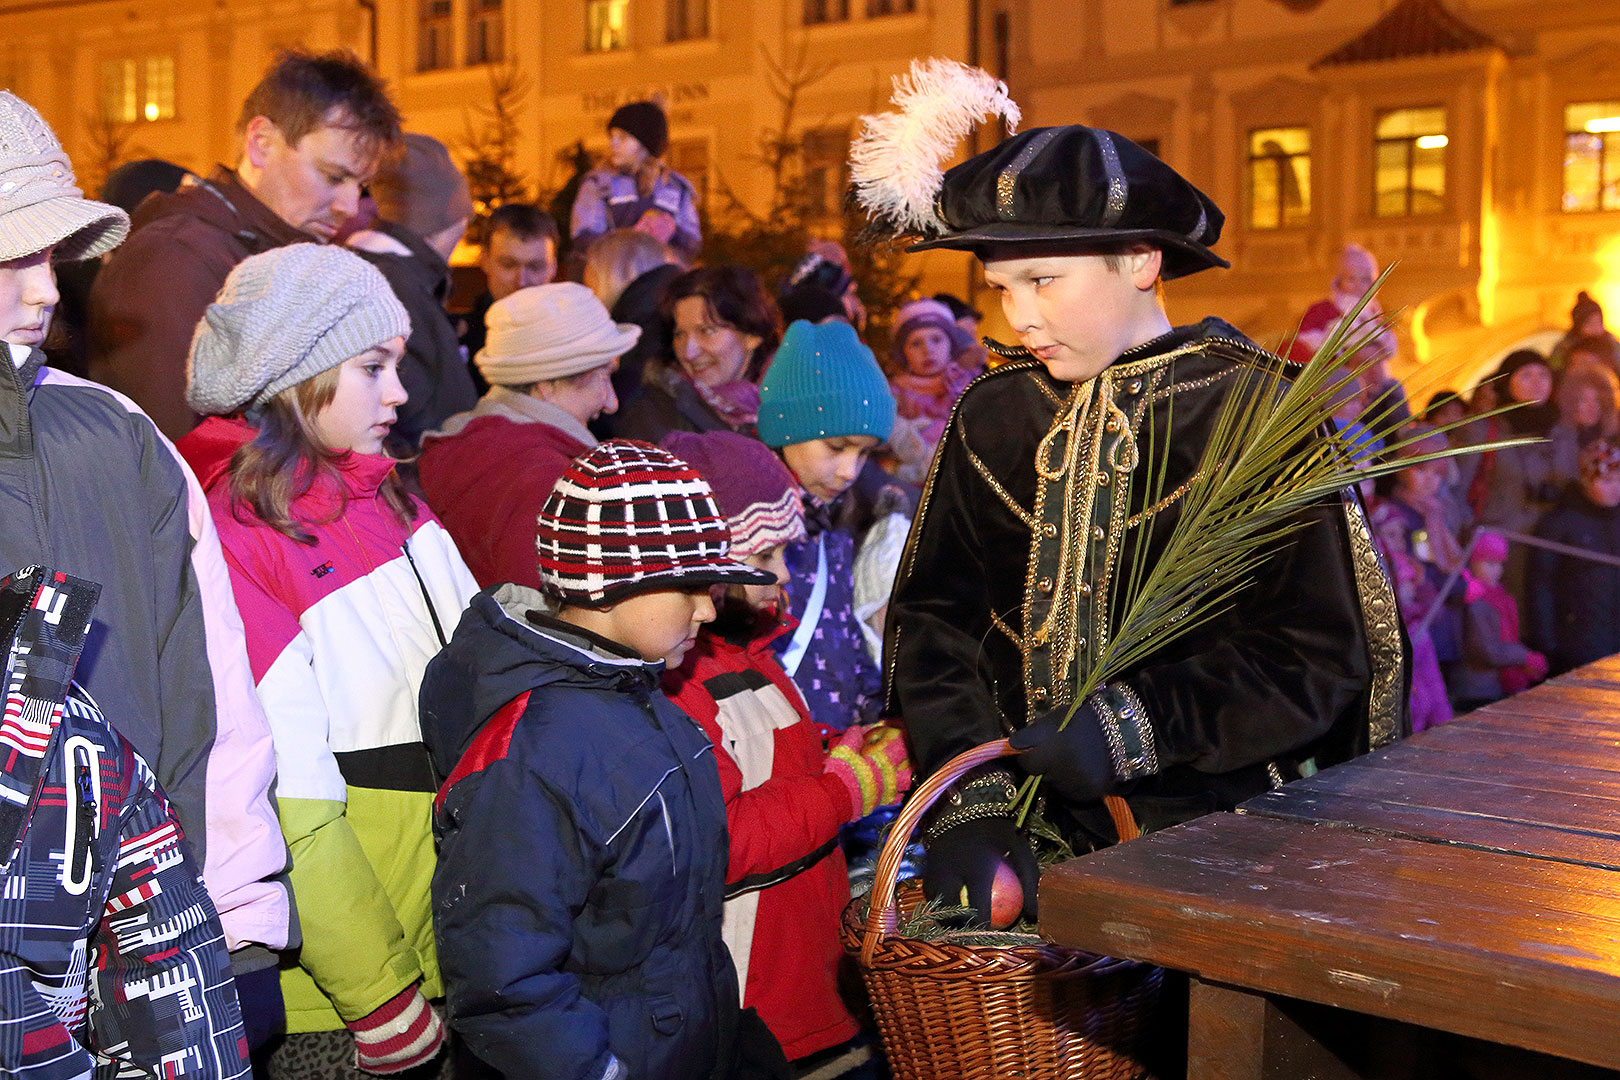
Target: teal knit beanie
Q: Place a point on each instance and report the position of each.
(823, 384)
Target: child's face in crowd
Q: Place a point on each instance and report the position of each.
(928, 350)
(710, 352)
(826, 467)
(1423, 481)
(660, 625)
(625, 151)
(1488, 571)
(27, 297)
(584, 396)
(1071, 311)
(1532, 383)
(1603, 490)
(1588, 407)
(766, 597)
(366, 404)
(1451, 412)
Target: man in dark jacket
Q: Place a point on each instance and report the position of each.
(1058, 472)
(313, 132)
(423, 208)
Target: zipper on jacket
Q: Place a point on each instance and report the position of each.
(81, 756)
(426, 599)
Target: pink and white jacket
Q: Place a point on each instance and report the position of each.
(339, 632)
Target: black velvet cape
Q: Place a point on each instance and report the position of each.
(1307, 668)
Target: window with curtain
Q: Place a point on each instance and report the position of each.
(1409, 162)
(1591, 156)
(137, 89)
(686, 20)
(825, 11)
(435, 35)
(1279, 177)
(486, 32)
(607, 25)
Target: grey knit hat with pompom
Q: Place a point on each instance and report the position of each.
(284, 316)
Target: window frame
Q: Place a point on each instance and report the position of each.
(481, 13)
(1410, 142)
(1605, 145)
(430, 29)
(1251, 160)
(685, 20)
(136, 88)
(623, 45)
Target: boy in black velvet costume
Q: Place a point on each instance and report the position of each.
(1039, 496)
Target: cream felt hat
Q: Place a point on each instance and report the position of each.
(550, 332)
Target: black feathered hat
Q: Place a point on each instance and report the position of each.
(1066, 187)
(1081, 186)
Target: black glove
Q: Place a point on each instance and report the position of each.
(967, 854)
(1074, 761)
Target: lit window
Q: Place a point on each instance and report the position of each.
(690, 158)
(486, 32)
(1279, 177)
(434, 35)
(1592, 156)
(607, 25)
(825, 11)
(138, 89)
(1410, 162)
(876, 8)
(686, 20)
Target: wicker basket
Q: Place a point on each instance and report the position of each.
(948, 1011)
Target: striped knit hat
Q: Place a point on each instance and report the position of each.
(629, 518)
(756, 492)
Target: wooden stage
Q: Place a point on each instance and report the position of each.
(1466, 880)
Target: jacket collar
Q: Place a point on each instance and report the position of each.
(209, 448)
(519, 408)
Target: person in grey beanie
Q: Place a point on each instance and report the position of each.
(348, 585)
(94, 491)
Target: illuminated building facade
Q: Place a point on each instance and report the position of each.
(1476, 141)
(1472, 140)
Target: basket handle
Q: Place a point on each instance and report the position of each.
(883, 917)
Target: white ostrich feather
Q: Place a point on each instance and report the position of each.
(896, 161)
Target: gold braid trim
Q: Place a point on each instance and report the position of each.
(1382, 618)
(995, 485)
(996, 621)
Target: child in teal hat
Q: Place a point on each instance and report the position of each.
(824, 405)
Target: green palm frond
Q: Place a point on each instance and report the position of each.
(1270, 458)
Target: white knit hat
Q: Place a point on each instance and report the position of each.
(283, 316)
(40, 202)
(550, 332)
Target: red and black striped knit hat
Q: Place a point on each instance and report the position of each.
(629, 518)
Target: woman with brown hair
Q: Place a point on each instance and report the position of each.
(724, 329)
(347, 586)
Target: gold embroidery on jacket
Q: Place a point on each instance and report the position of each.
(1379, 612)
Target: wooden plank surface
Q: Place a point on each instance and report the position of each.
(1493, 946)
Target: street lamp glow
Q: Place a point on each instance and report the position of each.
(1432, 142)
(1602, 124)
(151, 110)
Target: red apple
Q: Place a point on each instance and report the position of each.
(1006, 897)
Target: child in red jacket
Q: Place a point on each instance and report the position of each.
(786, 797)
